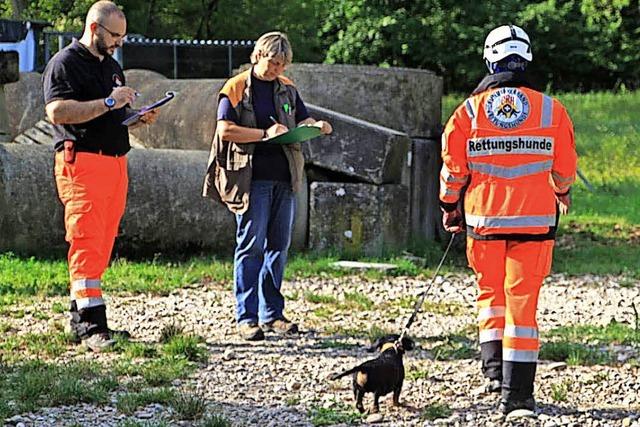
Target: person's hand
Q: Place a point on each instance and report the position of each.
(149, 117)
(452, 221)
(276, 129)
(564, 203)
(123, 95)
(325, 127)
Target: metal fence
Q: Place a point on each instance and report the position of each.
(172, 58)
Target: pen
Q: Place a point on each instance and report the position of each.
(273, 120)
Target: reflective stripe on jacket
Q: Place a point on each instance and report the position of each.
(512, 148)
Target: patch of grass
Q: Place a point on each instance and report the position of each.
(169, 331)
(559, 391)
(574, 354)
(128, 403)
(375, 332)
(49, 344)
(32, 385)
(436, 411)
(214, 421)
(58, 307)
(157, 372)
(138, 350)
(324, 312)
(613, 333)
(292, 296)
(315, 298)
(454, 346)
(188, 406)
(357, 301)
(332, 329)
(339, 414)
(292, 401)
(187, 346)
(415, 373)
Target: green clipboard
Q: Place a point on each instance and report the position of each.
(299, 134)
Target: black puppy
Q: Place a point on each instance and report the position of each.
(381, 375)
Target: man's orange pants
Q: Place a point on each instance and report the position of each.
(509, 274)
(93, 190)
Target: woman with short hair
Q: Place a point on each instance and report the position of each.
(257, 180)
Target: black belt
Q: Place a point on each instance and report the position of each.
(83, 149)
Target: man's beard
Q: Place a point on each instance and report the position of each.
(103, 48)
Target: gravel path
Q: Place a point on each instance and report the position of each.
(278, 381)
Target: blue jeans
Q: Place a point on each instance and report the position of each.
(263, 237)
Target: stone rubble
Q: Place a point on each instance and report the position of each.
(280, 381)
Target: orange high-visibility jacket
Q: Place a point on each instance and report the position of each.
(513, 148)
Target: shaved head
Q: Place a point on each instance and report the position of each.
(101, 11)
(104, 29)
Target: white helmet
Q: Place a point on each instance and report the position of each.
(504, 41)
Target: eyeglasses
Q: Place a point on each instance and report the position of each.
(114, 35)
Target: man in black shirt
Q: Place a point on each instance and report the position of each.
(87, 100)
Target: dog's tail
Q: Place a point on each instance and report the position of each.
(344, 374)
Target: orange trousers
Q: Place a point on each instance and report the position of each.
(510, 274)
(93, 190)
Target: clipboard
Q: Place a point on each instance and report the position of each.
(298, 134)
(133, 118)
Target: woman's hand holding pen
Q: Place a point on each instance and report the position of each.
(276, 129)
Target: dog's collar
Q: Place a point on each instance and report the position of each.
(386, 346)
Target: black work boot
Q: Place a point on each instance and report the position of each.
(509, 405)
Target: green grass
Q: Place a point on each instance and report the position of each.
(128, 403)
(50, 344)
(559, 391)
(602, 233)
(340, 413)
(575, 354)
(613, 333)
(436, 411)
(32, 385)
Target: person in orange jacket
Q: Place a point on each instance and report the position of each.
(86, 100)
(509, 157)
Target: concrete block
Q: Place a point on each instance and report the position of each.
(26, 102)
(358, 218)
(404, 99)
(9, 67)
(425, 222)
(359, 149)
(165, 210)
(187, 122)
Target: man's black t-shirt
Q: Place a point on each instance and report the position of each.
(75, 73)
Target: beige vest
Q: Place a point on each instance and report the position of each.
(229, 169)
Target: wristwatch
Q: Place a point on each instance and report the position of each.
(109, 102)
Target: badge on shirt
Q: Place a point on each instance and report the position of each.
(507, 107)
(116, 80)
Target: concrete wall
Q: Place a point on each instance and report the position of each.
(404, 99)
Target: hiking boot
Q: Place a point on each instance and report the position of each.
(250, 332)
(507, 405)
(493, 386)
(113, 334)
(280, 326)
(99, 342)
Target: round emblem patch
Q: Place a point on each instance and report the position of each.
(507, 107)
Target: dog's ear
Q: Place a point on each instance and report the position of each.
(377, 345)
(408, 344)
